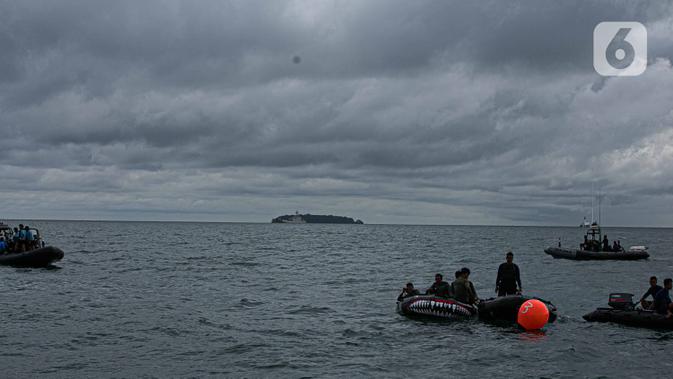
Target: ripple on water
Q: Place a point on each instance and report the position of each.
(247, 303)
(245, 264)
(310, 310)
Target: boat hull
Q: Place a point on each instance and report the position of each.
(583, 255)
(501, 309)
(435, 307)
(637, 318)
(506, 308)
(41, 257)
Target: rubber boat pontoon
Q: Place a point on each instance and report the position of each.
(41, 257)
(583, 255)
(499, 309)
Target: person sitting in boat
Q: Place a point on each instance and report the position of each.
(3, 245)
(606, 243)
(508, 281)
(652, 291)
(439, 287)
(662, 300)
(463, 289)
(408, 291)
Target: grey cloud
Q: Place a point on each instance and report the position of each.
(458, 112)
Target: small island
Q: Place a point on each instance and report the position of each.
(314, 219)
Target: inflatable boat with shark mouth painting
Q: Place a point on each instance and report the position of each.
(499, 309)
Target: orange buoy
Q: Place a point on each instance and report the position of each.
(533, 314)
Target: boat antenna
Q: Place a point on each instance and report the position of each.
(599, 207)
(593, 203)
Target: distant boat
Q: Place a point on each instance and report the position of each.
(39, 255)
(593, 248)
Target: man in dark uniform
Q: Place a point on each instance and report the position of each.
(439, 287)
(462, 288)
(606, 243)
(508, 281)
(652, 291)
(662, 300)
(408, 291)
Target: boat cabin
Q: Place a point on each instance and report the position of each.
(593, 239)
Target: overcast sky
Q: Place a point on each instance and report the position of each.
(429, 112)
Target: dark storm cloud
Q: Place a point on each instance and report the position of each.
(428, 111)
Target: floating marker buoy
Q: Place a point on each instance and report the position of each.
(533, 314)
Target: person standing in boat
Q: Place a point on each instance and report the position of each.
(15, 241)
(30, 240)
(606, 243)
(22, 239)
(462, 289)
(508, 281)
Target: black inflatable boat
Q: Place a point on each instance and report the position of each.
(506, 308)
(41, 257)
(622, 311)
(593, 248)
(584, 255)
(499, 309)
(435, 307)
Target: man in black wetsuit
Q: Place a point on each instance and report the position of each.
(408, 291)
(652, 291)
(606, 243)
(439, 287)
(508, 281)
(662, 300)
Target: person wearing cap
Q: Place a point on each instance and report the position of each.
(508, 281)
(463, 289)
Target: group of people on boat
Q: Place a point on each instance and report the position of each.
(661, 298)
(19, 239)
(595, 245)
(508, 282)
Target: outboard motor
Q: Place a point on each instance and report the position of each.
(621, 301)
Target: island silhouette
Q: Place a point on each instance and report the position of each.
(314, 219)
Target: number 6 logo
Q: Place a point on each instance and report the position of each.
(620, 48)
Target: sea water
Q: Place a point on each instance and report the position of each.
(144, 299)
